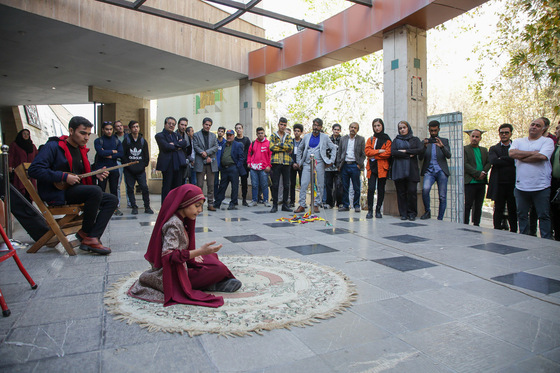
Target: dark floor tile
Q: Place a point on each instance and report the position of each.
(409, 224)
(498, 248)
(261, 212)
(406, 238)
(350, 220)
(404, 263)
(280, 224)
(244, 238)
(124, 218)
(147, 223)
(470, 230)
(529, 281)
(311, 249)
(235, 219)
(202, 230)
(335, 231)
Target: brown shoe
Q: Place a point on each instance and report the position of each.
(80, 235)
(316, 209)
(92, 244)
(300, 209)
(211, 208)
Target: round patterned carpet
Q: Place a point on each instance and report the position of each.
(276, 293)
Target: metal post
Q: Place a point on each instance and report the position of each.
(312, 168)
(7, 209)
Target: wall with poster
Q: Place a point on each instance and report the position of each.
(222, 105)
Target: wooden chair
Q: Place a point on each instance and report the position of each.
(69, 219)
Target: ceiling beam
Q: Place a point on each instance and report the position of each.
(236, 15)
(363, 2)
(138, 3)
(269, 14)
(191, 21)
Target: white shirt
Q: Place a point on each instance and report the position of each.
(535, 176)
(350, 150)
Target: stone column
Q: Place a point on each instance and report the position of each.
(404, 96)
(252, 112)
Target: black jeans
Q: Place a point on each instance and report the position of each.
(474, 198)
(277, 170)
(227, 175)
(374, 181)
(98, 207)
(130, 179)
(171, 180)
(407, 200)
(333, 187)
(293, 175)
(244, 185)
(113, 180)
(505, 198)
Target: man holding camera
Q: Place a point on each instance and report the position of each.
(434, 169)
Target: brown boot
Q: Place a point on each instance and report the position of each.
(300, 209)
(94, 245)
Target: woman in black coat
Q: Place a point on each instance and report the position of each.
(406, 175)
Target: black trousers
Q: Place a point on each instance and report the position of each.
(113, 180)
(293, 174)
(374, 181)
(98, 207)
(334, 188)
(244, 185)
(407, 197)
(171, 180)
(131, 179)
(228, 175)
(474, 198)
(277, 170)
(505, 198)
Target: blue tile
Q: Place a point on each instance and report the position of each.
(409, 224)
(406, 238)
(404, 263)
(244, 238)
(529, 281)
(335, 231)
(498, 248)
(311, 249)
(350, 220)
(280, 224)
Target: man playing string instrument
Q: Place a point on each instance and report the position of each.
(65, 159)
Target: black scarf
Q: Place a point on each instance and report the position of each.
(381, 137)
(26, 145)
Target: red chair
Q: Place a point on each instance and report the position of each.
(12, 253)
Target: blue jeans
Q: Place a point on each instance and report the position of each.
(429, 179)
(541, 200)
(259, 178)
(350, 171)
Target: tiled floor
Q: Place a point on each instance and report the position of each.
(432, 297)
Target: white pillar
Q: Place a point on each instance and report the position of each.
(252, 106)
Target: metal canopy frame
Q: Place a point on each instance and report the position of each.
(242, 8)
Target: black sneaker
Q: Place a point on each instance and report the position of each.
(274, 209)
(135, 211)
(148, 210)
(244, 203)
(230, 285)
(427, 215)
(286, 208)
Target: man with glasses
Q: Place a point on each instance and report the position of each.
(171, 157)
(502, 180)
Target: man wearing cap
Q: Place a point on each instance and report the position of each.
(232, 164)
(476, 166)
(533, 176)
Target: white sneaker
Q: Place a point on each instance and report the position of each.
(266, 204)
(252, 204)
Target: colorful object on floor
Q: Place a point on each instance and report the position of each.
(303, 219)
(276, 293)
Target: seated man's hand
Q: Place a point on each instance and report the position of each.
(72, 179)
(104, 175)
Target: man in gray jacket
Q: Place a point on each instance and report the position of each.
(350, 158)
(205, 146)
(315, 143)
(434, 169)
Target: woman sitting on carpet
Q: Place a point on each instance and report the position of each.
(179, 270)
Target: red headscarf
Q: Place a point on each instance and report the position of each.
(177, 199)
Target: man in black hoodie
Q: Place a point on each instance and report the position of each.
(135, 148)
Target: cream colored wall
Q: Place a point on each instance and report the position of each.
(227, 51)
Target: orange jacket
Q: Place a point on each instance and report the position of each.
(382, 158)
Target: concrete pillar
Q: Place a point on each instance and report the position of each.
(404, 81)
(252, 108)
